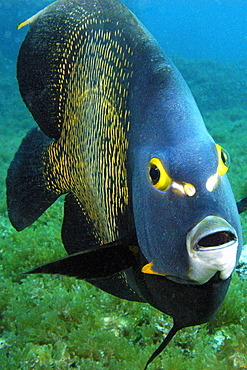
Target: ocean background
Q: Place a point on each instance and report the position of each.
(61, 323)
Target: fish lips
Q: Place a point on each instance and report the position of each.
(212, 247)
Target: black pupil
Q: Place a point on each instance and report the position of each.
(154, 174)
(224, 157)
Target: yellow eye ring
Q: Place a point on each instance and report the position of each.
(158, 175)
(223, 160)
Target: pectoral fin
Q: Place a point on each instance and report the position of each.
(242, 205)
(98, 263)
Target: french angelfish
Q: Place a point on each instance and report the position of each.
(149, 214)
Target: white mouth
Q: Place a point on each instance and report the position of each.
(212, 246)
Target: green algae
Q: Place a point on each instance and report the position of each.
(56, 322)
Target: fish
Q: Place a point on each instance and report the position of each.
(149, 213)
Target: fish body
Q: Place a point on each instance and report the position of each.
(149, 213)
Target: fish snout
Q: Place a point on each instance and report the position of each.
(212, 247)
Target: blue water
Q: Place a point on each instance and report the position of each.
(194, 29)
(197, 29)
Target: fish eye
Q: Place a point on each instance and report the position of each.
(154, 174)
(225, 157)
(158, 175)
(223, 160)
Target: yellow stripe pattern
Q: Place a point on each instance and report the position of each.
(89, 158)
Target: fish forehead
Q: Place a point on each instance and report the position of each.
(192, 161)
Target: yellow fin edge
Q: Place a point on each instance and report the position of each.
(33, 18)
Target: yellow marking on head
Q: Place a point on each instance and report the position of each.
(223, 165)
(223, 160)
(148, 269)
(159, 178)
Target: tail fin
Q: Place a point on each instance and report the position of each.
(166, 341)
(27, 195)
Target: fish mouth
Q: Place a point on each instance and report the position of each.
(219, 239)
(212, 246)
